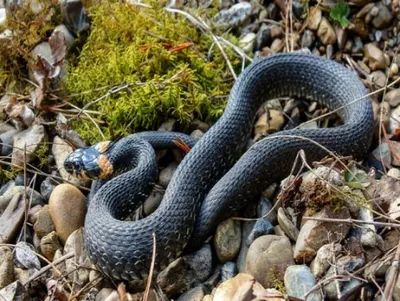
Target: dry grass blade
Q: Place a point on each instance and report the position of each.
(153, 260)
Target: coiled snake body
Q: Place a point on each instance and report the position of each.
(217, 176)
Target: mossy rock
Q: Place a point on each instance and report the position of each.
(164, 65)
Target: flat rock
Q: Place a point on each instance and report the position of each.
(11, 219)
(75, 244)
(26, 143)
(49, 244)
(287, 225)
(5, 199)
(186, 272)
(375, 57)
(314, 234)
(262, 227)
(67, 207)
(6, 267)
(326, 254)
(268, 257)
(14, 291)
(44, 224)
(195, 294)
(326, 33)
(227, 240)
(315, 18)
(393, 97)
(298, 281)
(235, 16)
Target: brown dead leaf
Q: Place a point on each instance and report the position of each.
(58, 47)
(44, 71)
(19, 113)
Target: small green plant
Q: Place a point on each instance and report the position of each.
(340, 13)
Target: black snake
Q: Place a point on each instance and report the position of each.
(218, 175)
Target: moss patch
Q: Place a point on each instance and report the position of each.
(161, 65)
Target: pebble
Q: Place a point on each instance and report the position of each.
(75, 16)
(49, 244)
(308, 39)
(14, 291)
(394, 119)
(197, 134)
(264, 37)
(343, 266)
(241, 259)
(375, 57)
(287, 225)
(393, 97)
(378, 78)
(298, 281)
(75, 244)
(69, 38)
(325, 255)
(248, 42)
(153, 201)
(314, 18)
(227, 240)
(7, 139)
(368, 233)
(314, 234)
(269, 122)
(42, 49)
(5, 199)
(262, 227)
(277, 45)
(67, 207)
(383, 154)
(186, 272)
(44, 224)
(6, 267)
(264, 210)
(25, 256)
(383, 18)
(394, 172)
(26, 143)
(228, 270)
(326, 33)
(235, 16)
(236, 287)
(167, 173)
(3, 16)
(47, 186)
(195, 294)
(269, 253)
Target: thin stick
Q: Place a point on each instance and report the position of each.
(153, 260)
(350, 221)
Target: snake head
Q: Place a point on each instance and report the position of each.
(91, 162)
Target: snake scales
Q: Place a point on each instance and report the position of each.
(218, 175)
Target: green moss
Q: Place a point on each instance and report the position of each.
(27, 30)
(148, 49)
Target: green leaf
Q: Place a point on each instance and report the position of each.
(340, 13)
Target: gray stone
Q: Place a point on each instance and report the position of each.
(153, 201)
(236, 15)
(69, 38)
(298, 281)
(13, 190)
(314, 234)
(25, 256)
(14, 291)
(248, 42)
(241, 260)
(195, 294)
(167, 173)
(227, 240)
(384, 16)
(264, 210)
(308, 39)
(75, 16)
(325, 255)
(6, 267)
(228, 270)
(268, 257)
(287, 225)
(263, 37)
(186, 272)
(26, 143)
(262, 227)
